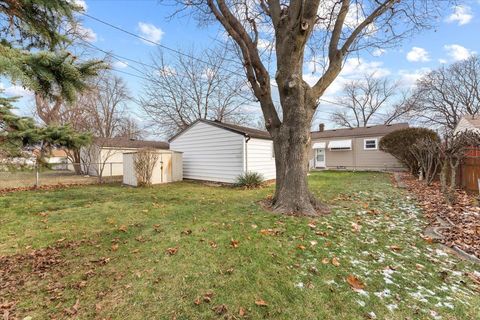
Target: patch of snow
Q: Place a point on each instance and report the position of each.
(392, 306)
(372, 315)
(361, 303)
(383, 294)
(299, 285)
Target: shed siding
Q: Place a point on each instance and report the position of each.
(465, 125)
(358, 158)
(260, 157)
(210, 153)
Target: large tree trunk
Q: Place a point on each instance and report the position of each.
(291, 143)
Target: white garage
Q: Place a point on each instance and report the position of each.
(220, 152)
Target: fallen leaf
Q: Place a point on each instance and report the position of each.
(312, 225)
(241, 312)
(313, 243)
(355, 283)
(261, 303)
(395, 248)
(122, 228)
(187, 232)
(172, 251)
(419, 266)
(356, 227)
(213, 244)
(221, 309)
(301, 247)
(115, 247)
(234, 243)
(321, 233)
(335, 262)
(197, 301)
(325, 260)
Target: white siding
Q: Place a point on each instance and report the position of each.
(210, 153)
(260, 157)
(465, 125)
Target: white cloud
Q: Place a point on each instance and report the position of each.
(87, 34)
(17, 91)
(418, 54)
(408, 78)
(378, 52)
(81, 3)
(150, 32)
(120, 64)
(461, 15)
(456, 52)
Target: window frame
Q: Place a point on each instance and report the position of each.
(365, 144)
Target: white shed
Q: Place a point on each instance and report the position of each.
(105, 155)
(217, 151)
(168, 167)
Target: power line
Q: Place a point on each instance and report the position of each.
(175, 50)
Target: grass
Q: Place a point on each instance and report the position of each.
(118, 267)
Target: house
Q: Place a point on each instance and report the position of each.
(218, 151)
(468, 123)
(352, 148)
(56, 159)
(105, 155)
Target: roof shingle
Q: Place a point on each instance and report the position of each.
(129, 143)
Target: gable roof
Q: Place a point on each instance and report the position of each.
(473, 121)
(378, 130)
(129, 143)
(246, 131)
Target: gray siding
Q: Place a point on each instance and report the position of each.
(210, 153)
(358, 158)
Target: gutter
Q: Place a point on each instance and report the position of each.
(247, 138)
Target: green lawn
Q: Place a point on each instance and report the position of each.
(110, 260)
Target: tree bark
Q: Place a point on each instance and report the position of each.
(292, 143)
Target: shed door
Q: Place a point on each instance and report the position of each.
(320, 158)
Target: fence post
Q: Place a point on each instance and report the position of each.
(37, 178)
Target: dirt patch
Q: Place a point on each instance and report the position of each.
(462, 227)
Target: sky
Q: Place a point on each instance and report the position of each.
(454, 38)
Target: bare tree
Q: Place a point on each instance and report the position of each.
(328, 30)
(372, 100)
(144, 162)
(106, 104)
(182, 91)
(448, 93)
(130, 129)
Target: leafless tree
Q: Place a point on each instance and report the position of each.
(448, 93)
(129, 128)
(302, 30)
(144, 162)
(372, 100)
(182, 91)
(107, 104)
(95, 157)
(427, 152)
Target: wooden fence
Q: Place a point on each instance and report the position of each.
(469, 171)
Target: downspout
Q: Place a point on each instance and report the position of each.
(247, 138)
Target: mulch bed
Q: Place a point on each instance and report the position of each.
(459, 224)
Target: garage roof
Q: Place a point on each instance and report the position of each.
(379, 130)
(246, 131)
(130, 143)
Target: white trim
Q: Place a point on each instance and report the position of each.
(324, 163)
(370, 139)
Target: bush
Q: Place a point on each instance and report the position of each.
(144, 162)
(249, 180)
(398, 143)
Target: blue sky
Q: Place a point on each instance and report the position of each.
(454, 38)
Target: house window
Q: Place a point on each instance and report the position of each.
(370, 144)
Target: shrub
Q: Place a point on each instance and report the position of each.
(249, 180)
(144, 163)
(398, 143)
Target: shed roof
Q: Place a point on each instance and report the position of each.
(129, 143)
(378, 130)
(246, 131)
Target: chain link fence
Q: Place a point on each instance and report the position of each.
(59, 173)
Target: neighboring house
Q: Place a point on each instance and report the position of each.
(353, 149)
(468, 123)
(217, 151)
(56, 159)
(105, 155)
